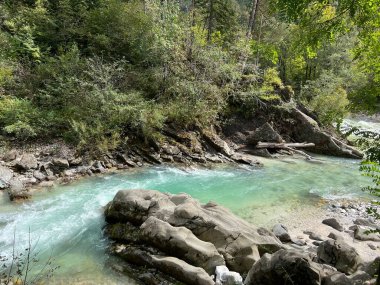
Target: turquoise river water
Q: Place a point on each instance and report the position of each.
(67, 221)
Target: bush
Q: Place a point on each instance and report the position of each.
(327, 98)
(19, 118)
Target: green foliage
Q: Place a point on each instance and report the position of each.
(19, 118)
(120, 29)
(370, 166)
(326, 97)
(99, 73)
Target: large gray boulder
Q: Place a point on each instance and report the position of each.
(285, 267)
(59, 164)
(17, 190)
(26, 162)
(366, 223)
(265, 133)
(240, 243)
(337, 253)
(217, 143)
(5, 177)
(306, 129)
(183, 243)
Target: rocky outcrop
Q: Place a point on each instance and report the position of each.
(306, 129)
(265, 133)
(169, 265)
(185, 240)
(286, 122)
(238, 242)
(201, 235)
(217, 143)
(59, 163)
(338, 278)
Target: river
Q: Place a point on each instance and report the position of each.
(67, 221)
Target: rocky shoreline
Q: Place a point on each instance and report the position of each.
(24, 170)
(166, 239)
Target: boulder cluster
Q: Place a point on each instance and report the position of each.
(174, 239)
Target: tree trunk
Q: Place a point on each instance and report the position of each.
(210, 20)
(252, 17)
(191, 41)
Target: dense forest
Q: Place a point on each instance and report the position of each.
(105, 71)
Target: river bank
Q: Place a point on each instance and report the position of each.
(26, 168)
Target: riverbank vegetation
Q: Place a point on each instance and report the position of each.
(107, 71)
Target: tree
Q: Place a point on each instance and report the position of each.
(252, 17)
(220, 16)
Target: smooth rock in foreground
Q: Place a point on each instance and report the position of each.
(182, 243)
(240, 243)
(172, 266)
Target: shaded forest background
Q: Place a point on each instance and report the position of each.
(101, 72)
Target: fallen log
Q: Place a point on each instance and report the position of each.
(308, 157)
(284, 145)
